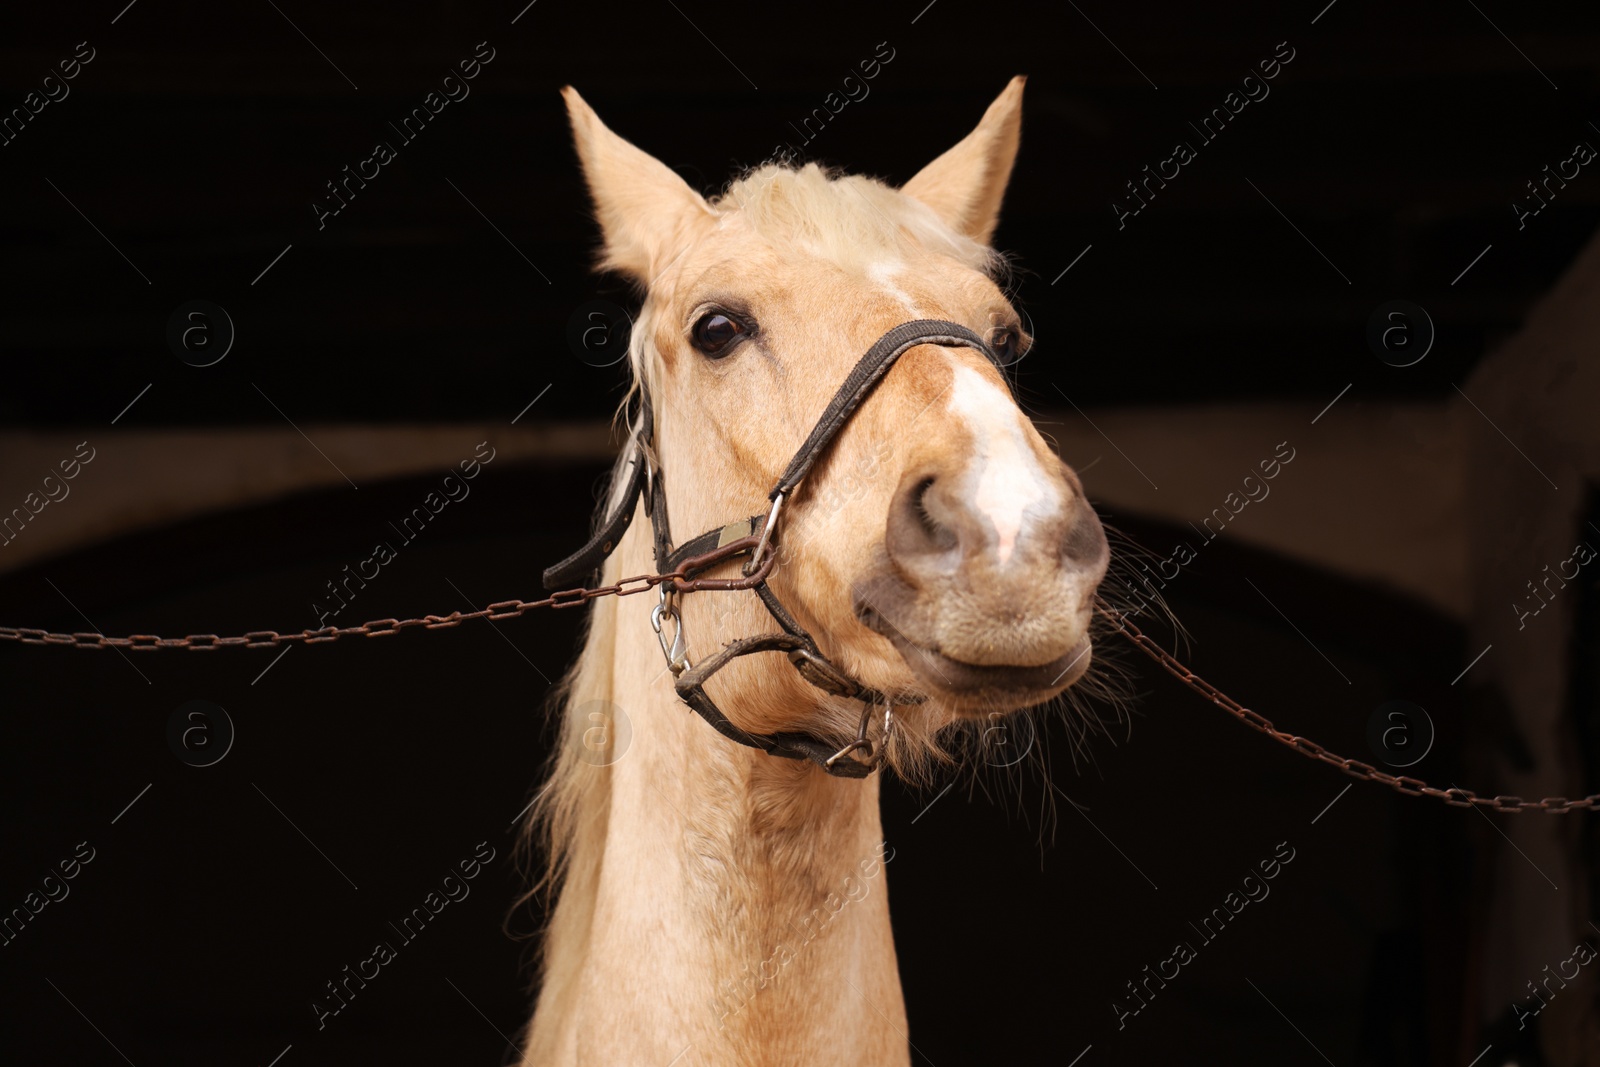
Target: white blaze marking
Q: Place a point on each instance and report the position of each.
(1009, 477)
(883, 274)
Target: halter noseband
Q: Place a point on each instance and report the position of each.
(756, 532)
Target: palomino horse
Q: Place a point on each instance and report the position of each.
(717, 905)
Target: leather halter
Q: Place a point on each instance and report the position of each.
(756, 532)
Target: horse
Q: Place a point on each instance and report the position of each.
(714, 904)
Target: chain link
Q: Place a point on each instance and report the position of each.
(504, 609)
(1413, 787)
(682, 582)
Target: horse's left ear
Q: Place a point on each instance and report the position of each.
(966, 184)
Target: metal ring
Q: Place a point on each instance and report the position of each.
(766, 535)
(874, 752)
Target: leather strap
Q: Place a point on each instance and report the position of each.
(655, 498)
(699, 546)
(787, 745)
(587, 560)
(864, 377)
(577, 568)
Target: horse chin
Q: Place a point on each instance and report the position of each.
(971, 689)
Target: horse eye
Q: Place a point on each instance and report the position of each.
(715, 332)
(1006, 341)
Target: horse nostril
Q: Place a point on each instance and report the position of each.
(919, 524)
(919, 503)
(932, 517)
(1085, 542)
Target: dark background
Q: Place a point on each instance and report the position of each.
(197, 140)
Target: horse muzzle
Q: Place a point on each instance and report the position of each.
(985, 616)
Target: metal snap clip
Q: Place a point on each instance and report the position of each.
(675, 651)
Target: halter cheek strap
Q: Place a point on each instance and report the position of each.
(583, 564)
(645, 485)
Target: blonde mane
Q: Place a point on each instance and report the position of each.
(847, 219)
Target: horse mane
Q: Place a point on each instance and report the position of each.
(849, 219)
(572, 805)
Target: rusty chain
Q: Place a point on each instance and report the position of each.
(682, 581)
(1413, 787)
(502, 609)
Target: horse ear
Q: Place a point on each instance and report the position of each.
(647, 213)
(965, 185)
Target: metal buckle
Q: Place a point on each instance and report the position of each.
(874, 754)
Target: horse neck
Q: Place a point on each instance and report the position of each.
(732, 902)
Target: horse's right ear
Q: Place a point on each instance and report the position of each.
(647, 214)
